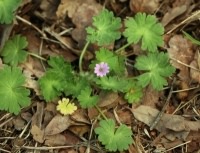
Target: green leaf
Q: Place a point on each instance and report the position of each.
(75, 86)
(51, 86)
(133, 95)
(115, 62)
(114, 139)
(53, 82)
(112, 83)
(145, 28)
(156, 67)
(105, 28)
(7, 8)
(133, 91)
(13, 94)
(13, 51)
(60, 67)
(194, 41)
(85, 98)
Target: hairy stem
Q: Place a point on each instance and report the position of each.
(82, 55)
(102, 114)
(122, 48)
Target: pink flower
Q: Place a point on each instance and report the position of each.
(101, 69)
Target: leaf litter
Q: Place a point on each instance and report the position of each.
(65, 22)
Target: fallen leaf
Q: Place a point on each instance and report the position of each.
(81, 14)
(80, 116)
(57, 125)
(148, 6)
(55, 140)
(48, 9)
(181, 50)
(150, 97)
(173, 125)
(195, 74)
(37, 133)
(108, 99)
(80, 130)
(172, 14)
(38, 115)
(19, 123)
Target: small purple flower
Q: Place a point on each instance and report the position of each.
(101, 69)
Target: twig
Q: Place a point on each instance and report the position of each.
(29, 23)
(189, 19)
(160, 114)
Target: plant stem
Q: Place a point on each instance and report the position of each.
(37, 56)
(102, 114)
(82, 55)
(123, 47)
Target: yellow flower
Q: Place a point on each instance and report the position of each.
(65, 107)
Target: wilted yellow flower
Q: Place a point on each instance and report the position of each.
(65, 107)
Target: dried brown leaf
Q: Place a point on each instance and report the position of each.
(181, 50)
(57, 125)
(38, 134)
(55, 140)
(173, 13)
(148, 6)
(173, 125)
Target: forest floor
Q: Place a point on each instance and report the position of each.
(58, 28)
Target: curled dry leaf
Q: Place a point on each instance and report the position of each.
(172, 125)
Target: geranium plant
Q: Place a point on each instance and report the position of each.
(107, 71)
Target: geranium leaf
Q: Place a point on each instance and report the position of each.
(13, 94)
(114, 139)
(13, 51)
(145, 28)
(105, 29)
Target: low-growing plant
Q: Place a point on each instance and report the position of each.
(107, 72)
(7, 8)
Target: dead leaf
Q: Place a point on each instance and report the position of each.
(195, 74)
(173, 125)
(38, 134)
(79, 130)
(108, 99)
(19, 123)
(31, 82)
(173, 13)
(150, 97)
(38, 116)
(82, 19)
(55, 140)
(80, 116)
(57, 125)
(26, 116)
(48, 9)
(148, 6)
(125, 116)
(81, 14)
(181, 50)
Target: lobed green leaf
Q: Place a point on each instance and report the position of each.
(105, 28)
(145, 28)
(13, 94)
(13, 51)
(114, 139)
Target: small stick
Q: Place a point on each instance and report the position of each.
(160, 114)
